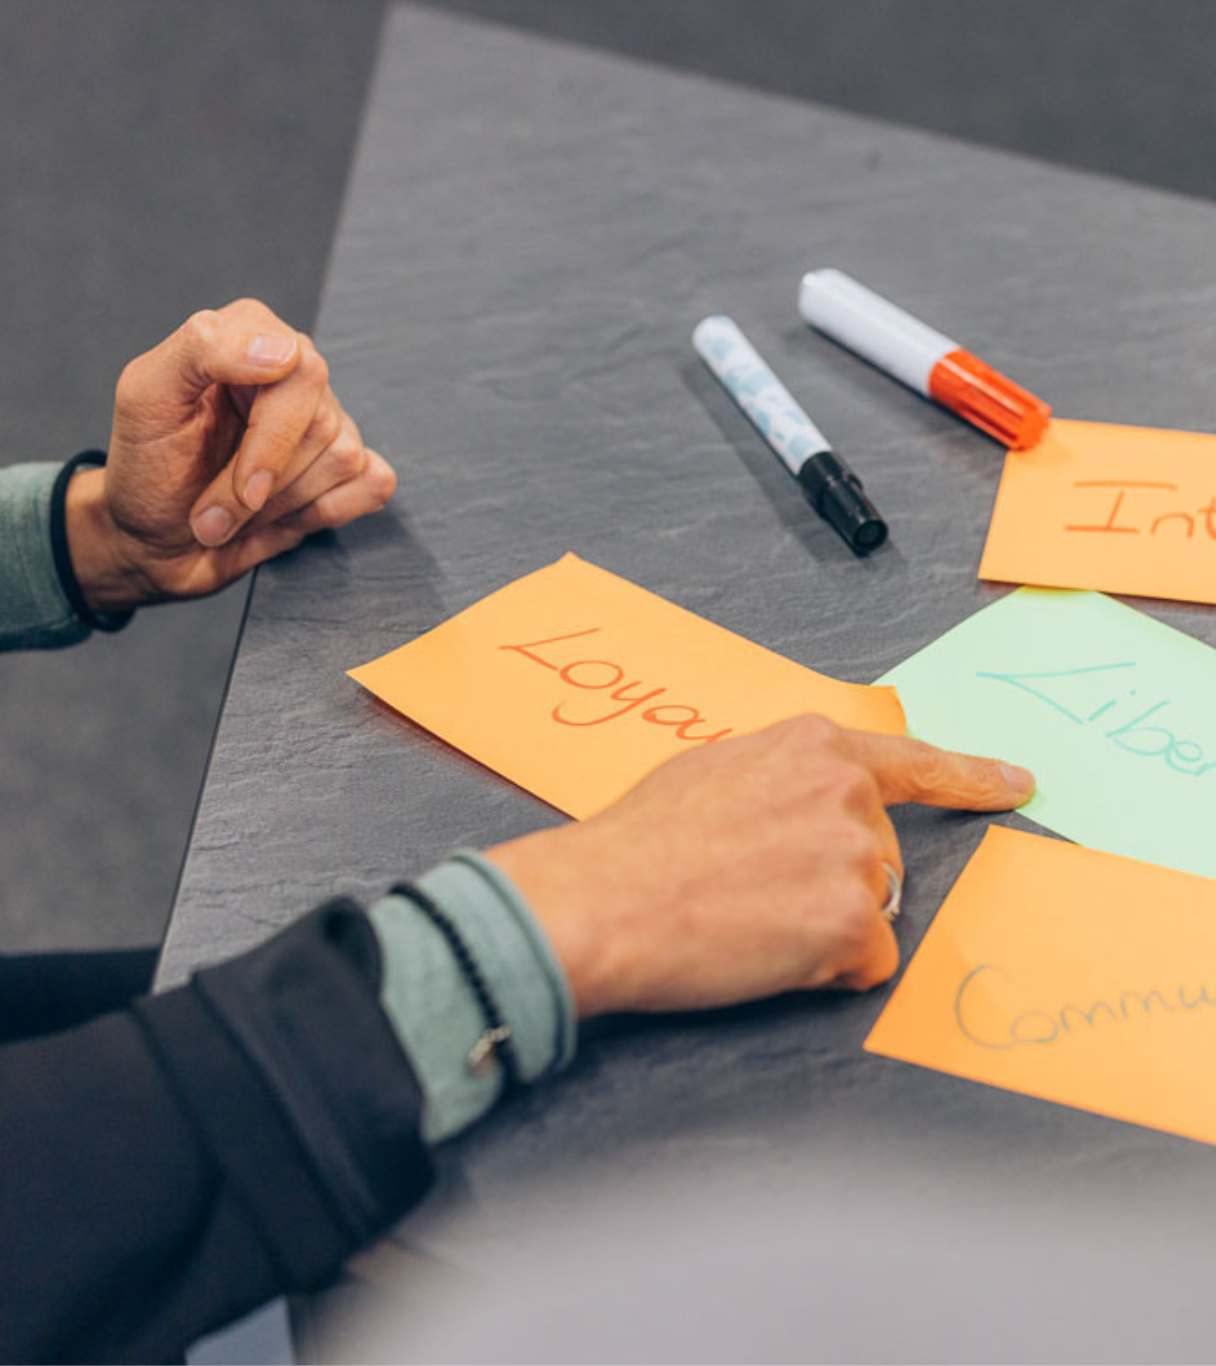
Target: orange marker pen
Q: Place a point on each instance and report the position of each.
(922, 358)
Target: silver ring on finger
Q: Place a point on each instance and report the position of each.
(895, 890)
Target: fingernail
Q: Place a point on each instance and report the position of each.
(212, 527)
(257, 489)
(271, 348)
(1020, 779)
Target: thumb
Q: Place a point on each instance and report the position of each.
(211, 347)
(911, 771)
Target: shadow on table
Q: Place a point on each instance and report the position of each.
(783, 492)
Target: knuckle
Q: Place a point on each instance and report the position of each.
(810, 734)
(930, 772)
(346, 461)
(817, 729)
(326, 428)
(318, 370)
(128, 383)
(385, 482)
(856, 783)
(847, 781)
(201, 328)
(854, 913)
(248, 304)
(313, 365)
(887, 964)
(858, 845)
(874, 970)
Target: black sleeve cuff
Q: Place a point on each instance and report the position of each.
(95, 621)
(302, 1093)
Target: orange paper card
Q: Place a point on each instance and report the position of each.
(575, 683)
(1123, 509)
(1072, 975)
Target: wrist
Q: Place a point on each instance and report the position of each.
(109, 579)
(559, 873)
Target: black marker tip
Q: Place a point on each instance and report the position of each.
(837, 495)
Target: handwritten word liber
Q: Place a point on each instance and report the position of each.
(1069, 975)
(1124, 509)
(574, 684)
(595, 675)
(1110, 709)
(1065, 689)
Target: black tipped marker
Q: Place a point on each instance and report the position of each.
(833, 490)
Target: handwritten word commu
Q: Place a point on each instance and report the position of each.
(1035, 1028)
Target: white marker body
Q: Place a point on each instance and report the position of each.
(877, 330)
(759, 392)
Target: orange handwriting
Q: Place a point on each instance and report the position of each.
(600, 675)
(1181, 520)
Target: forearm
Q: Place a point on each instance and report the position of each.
(34, 609)
(434, 1009)
(63, 566)
(167, 1168)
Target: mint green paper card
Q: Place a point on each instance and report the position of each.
(1114, 713)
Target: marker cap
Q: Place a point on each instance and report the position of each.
(993, 402)
(836, 494)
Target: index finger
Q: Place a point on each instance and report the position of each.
(909, 770)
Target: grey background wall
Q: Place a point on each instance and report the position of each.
(1122, 86)
(159, 155)
(155, 157)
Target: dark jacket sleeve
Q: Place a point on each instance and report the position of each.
(166, 1168)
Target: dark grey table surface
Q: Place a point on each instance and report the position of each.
(530, 233)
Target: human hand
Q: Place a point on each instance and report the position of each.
(743, 868)
(228, 447)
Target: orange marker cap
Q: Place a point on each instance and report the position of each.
(994, 403)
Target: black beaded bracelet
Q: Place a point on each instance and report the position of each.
(96, 621)
(495, 1040)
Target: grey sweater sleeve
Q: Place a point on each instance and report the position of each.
(425, 996)
(432, 1007)
(34, 611)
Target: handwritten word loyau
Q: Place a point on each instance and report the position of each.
(607, 678)
(1073, 692)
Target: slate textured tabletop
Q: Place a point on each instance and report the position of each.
(530, 233)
